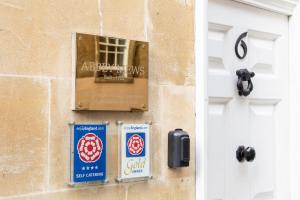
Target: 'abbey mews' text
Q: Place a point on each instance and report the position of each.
(105, 68)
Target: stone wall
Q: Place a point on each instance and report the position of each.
(35, 94)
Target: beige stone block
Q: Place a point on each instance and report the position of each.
(156, 151)
(115, 192)
(171, 60)
(183, 188)
(69, 16)
(41, 55)
(122, 7)
(36, 35)
(171, 47)
(155, 104)
(172, 189)
(125, 19)
(149, 190)
(112, 192)
(178, 107)
(171, 37)
(24, 135)
(172, 70)
(178, 112)
(60, 117)
(51, 16)
(173, 19)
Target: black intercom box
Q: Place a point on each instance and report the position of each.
(178, 148)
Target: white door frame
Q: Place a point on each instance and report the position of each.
(201, 27)
(294, 64)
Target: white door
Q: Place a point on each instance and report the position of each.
(259, 120)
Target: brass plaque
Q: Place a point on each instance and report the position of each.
(110, 73)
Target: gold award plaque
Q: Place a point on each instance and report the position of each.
(110, 73)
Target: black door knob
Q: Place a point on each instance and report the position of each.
(245, 153)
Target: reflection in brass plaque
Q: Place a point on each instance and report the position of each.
(109, 73)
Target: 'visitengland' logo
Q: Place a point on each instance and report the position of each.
(89, 148)
(135, 144)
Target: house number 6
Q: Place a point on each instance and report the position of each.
(242, 43)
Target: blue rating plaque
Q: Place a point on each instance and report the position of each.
(88, 148)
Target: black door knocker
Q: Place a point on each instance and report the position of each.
(243, 45)
(245, 153)
(244, 76)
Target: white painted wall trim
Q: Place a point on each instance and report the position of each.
(280, 6)
(201, 28)
(294, 82)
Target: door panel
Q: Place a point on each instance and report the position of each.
(218, 114)
(259, 120)
(219, 73)
(261, 137)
